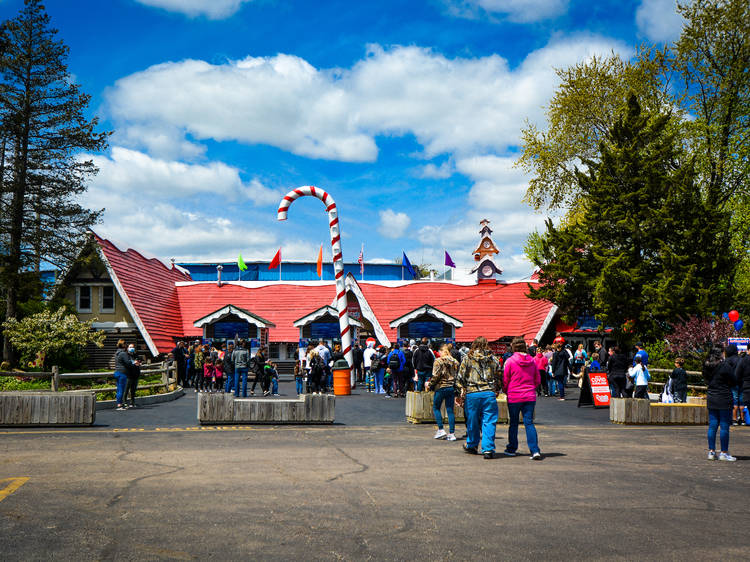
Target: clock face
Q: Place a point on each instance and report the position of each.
(487, 271)
(486, 244)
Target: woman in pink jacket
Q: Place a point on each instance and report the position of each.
(520, 380)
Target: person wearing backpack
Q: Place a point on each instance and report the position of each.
(316, 371)
(257, 366)
(396, 366)
(423, 360)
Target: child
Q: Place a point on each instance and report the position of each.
(298, 377)
(208, 373)
(387, 383)
(678, 380)
(272, 375)
(640, 377)
(595, 365)
(218, 380)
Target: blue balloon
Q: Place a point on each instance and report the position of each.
(738, 325)
(725, 315)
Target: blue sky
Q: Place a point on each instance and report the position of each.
(408, 113)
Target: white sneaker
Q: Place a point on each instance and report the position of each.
(727, 457)
(440, 434)
(451, 437)
(712, 455)
(536, 457)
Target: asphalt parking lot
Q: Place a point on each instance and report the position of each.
(378, 489)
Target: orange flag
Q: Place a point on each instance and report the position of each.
(320, 262)
(276, 261)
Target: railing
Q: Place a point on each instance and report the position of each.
(690, 386)
(55, 376)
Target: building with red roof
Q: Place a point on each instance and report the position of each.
(159, 304)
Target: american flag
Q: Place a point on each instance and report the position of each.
(361, 260)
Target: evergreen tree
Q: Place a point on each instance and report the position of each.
(645, 249)
(44, 130)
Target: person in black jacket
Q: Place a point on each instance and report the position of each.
(258, 367)
(617, 371)
(358, 359)
(719, 375)
(178, 353)
(678, 381)
(124, 364)
(423, 360)
(560, 368)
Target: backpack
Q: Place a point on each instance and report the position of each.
(394, 363)
(382, 360)
(316, 365)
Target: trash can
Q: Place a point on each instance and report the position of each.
(342, 385)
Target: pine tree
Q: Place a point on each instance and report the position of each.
(44, 130)
(645, 249)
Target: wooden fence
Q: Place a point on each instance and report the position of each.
(55, 376)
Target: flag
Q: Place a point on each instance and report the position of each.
(361, 260)
(448, 260)
(241, 263)
(407, 264)
(276, 261)
(320, 262)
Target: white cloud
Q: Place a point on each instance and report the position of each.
(518, 11)
(430, 171)
(461, 105)
(659, 20)
(138, 175)
(393, 224)
(162, 142)
(212, 9)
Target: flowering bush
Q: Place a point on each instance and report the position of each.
(46, 334)
(693, 337)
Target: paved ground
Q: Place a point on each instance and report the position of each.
(369, 487)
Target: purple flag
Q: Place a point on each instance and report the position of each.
(449, 261)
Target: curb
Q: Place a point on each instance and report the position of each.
(144, 400)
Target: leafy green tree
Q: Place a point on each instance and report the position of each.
(44, 130)
(645, 249)
(48, 334)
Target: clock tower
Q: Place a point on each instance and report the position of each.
(484, 255)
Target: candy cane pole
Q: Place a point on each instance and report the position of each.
(338, 261)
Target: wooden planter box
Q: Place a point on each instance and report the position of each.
(419, 408)
(636, 411)
(47, 408)
(225, 408)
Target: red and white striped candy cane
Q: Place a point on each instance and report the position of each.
(338, 261)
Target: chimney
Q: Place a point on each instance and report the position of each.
(219, 269)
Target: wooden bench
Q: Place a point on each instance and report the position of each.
(225, 408)
(419, 408)
(38, 408)
(644, 412)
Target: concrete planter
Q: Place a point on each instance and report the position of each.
(636, 411)
(419, 408)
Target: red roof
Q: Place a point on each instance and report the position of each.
(280, 304)
(492, 311)
(147, 286)
(164, 311)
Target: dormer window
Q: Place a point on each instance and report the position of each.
(83, 299)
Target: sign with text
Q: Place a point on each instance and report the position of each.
(600, 389)
(741, 343)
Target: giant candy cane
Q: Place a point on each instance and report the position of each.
(338, 261)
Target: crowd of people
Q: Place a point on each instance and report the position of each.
(225, 367)
(471, 377)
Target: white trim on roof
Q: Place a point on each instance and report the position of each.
(393, 284)
(351, 285)
(429, 310)
(320, 313)
(231, 309)
(129, 305)
(546, 323)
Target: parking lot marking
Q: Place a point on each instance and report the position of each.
(15, 483)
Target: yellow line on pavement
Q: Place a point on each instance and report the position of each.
(15, 483)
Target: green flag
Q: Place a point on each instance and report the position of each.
(241, 263)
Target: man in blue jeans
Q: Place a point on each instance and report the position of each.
(478, 383)
(423, 360)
